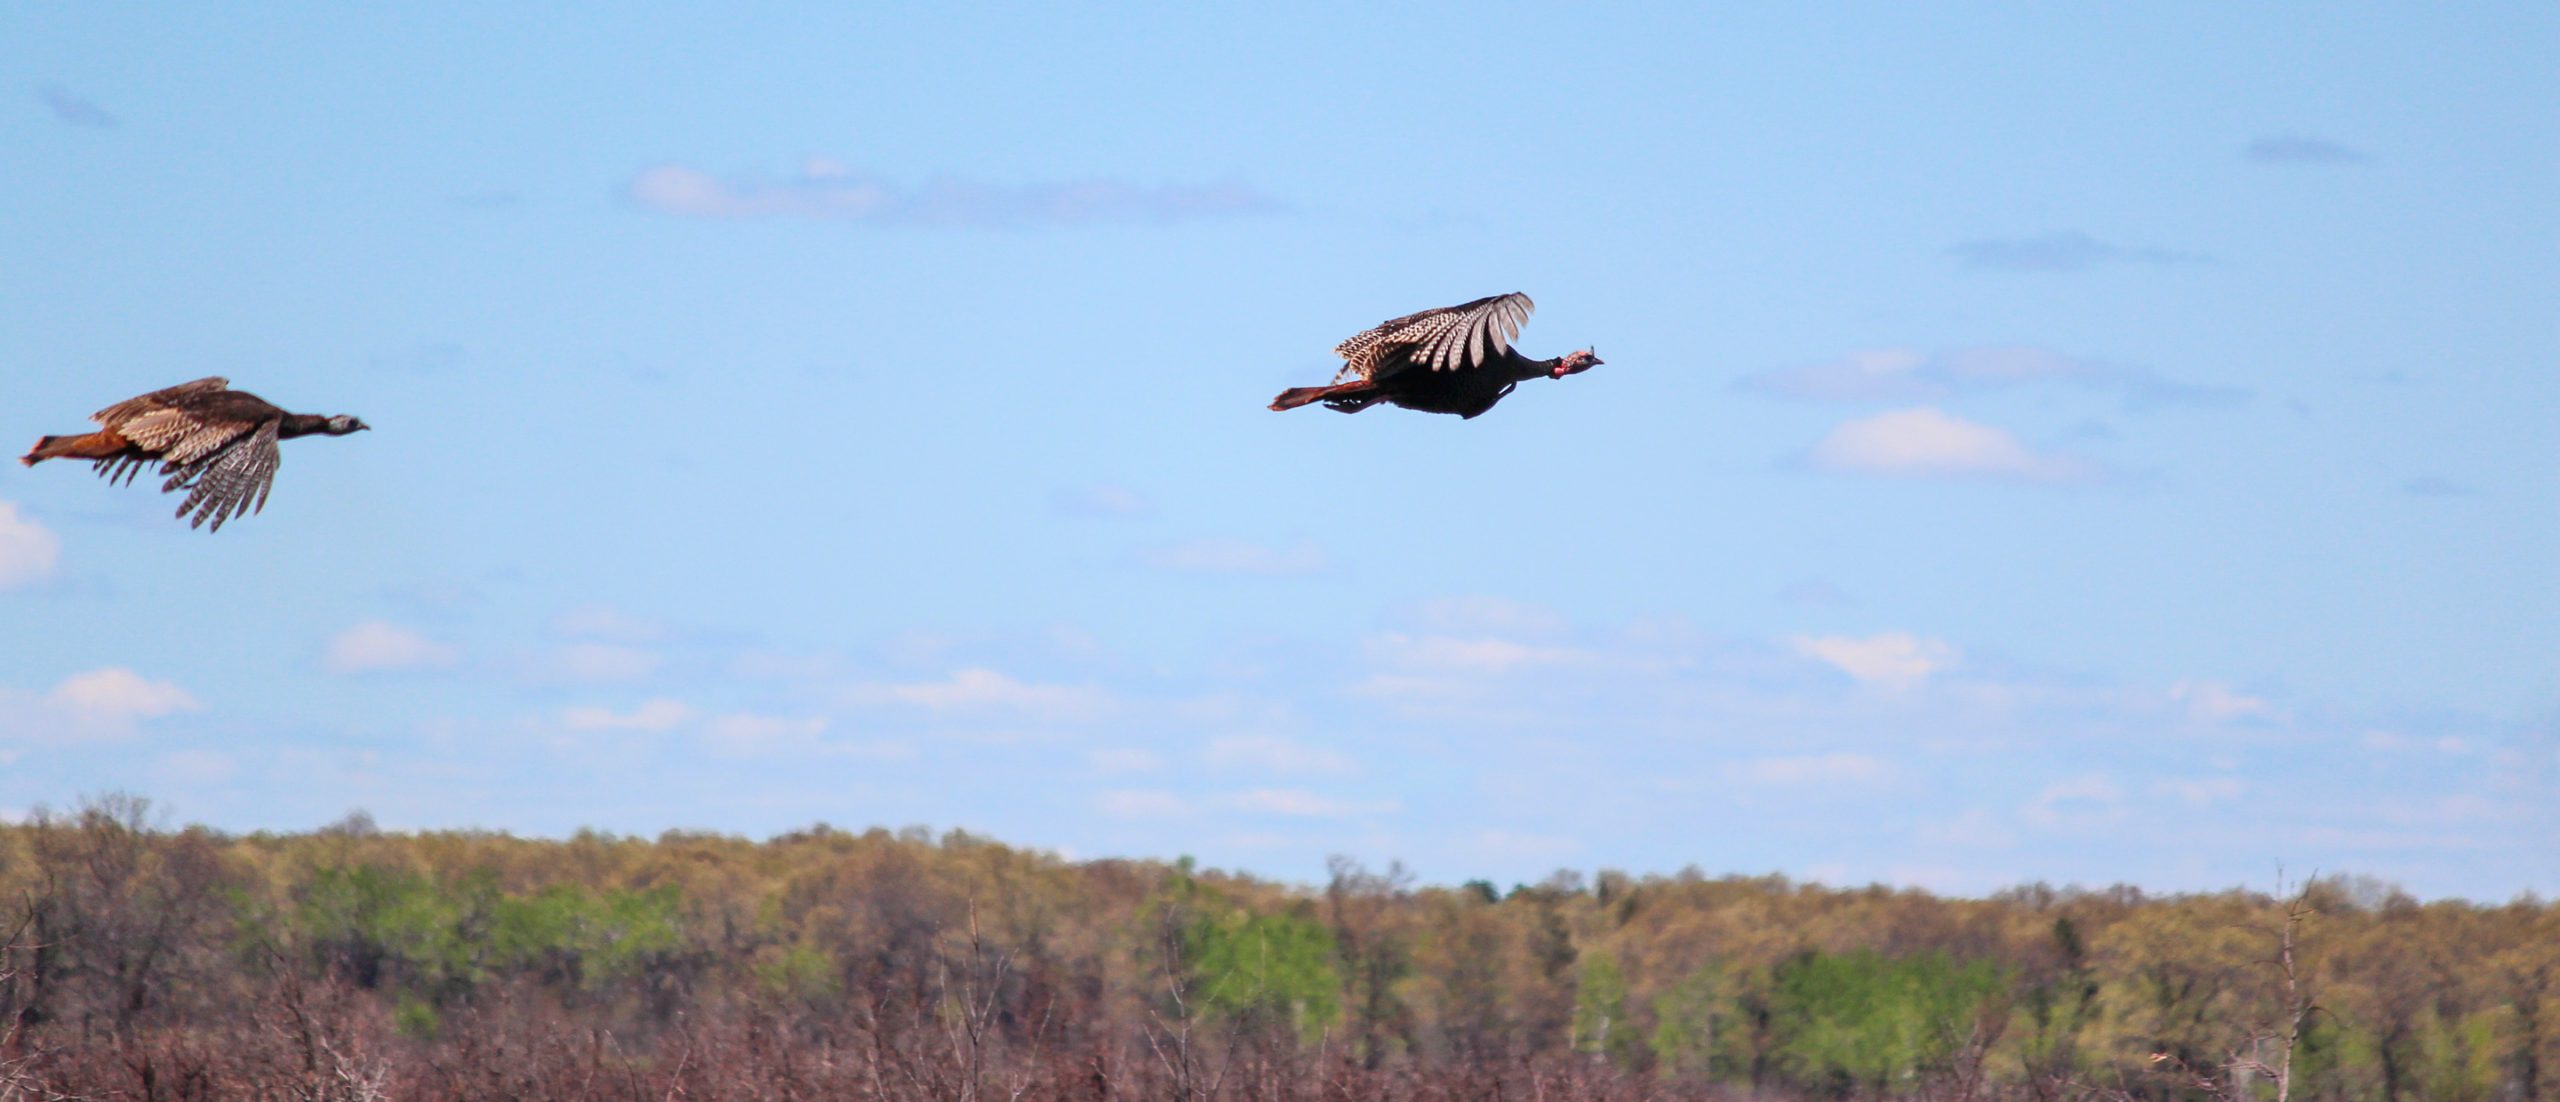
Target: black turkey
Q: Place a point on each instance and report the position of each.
(1456, 359)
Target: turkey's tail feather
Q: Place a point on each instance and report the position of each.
(1291, 398)
(1347, 397)
(87, 445)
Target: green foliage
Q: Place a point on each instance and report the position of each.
(1689, 1020)
(2054, 1010)
(1265, 968)
(2458, 1058)
(392, 927)
(385, 926)
(1680, 986)
(804, 972)
(1861, 1021)
(580, 937)
(417, 1018)
(1600, 1024)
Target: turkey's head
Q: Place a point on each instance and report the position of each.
(1577, 362)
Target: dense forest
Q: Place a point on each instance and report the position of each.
(143, 962)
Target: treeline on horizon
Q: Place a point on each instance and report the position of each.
(139, 962)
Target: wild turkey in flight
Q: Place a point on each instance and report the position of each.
(216, 443)
(1456, 359)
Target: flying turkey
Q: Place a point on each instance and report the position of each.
(1456, 359)
(216, 443)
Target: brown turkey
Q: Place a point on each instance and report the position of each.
(1456, 359)
(216, 443)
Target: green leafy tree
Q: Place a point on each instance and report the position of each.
(1852, 1022)
(1265, 968)
(1600, 1025)
(1689, 1021)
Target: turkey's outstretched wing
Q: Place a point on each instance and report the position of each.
(121, 468)
(231, 482)
(1447, 339)
(190, 427)
(130, 408)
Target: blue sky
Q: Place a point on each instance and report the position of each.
(2078, 445)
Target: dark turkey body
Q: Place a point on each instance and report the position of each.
(1466, 392)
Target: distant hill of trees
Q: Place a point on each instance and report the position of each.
(349, 963)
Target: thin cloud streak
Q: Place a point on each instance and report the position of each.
(1234, 556)
(1895, 660)
(828, 191)
(980, 689)
(2062, 251)
(1102, 500)
(378, 646)
(2435, 485)
(1879, 375)
(2294, 149)
(74, 109)
(1924, 442)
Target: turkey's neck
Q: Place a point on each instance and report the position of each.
(1523, 369)
(301, 424)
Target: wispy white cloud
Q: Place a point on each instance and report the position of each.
(101, 705)
(1123, 759)
(597, 663)
(2382, 839)
(2460, 807)
(755, 735)
(2201, 791)
(1893, 659)
(1100, 500)
(1301, 803)
(379, 646)
(1973, 828)
(2062, 251)
(1912, 375)
(1518, 846)
(1497, 662)
(828, 190)
(2091, 799)
(1272, 754)
(657, 714)
(1477, 614)
(1234, 556)
(977, 689)
(1835, 768)
(1926, 443)
(1478, 655)
(1142, 803)
(28, 549)
(1423, 694)
(1813, 591)
(192, 770)
(604, 621)
(117, 693)
(2216, 702)
(2397, 742)
(2296, 149)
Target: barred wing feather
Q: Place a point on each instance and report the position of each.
(1450, 338)
(165, 398)
(233, 482)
